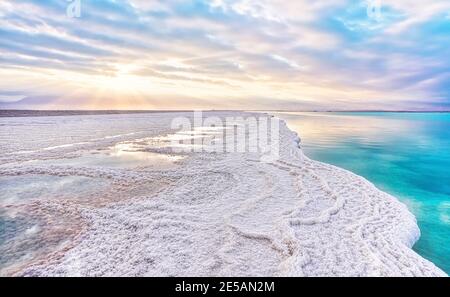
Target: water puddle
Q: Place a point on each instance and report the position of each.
(118, 157)
(26, 237)
(32, 226)
(129, 155)
(21, 189)
(198, 138)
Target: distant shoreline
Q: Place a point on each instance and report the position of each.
(47, 113)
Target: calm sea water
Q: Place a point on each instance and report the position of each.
(404, 154)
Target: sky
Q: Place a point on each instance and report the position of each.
(225, 54)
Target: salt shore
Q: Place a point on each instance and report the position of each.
(205, 214)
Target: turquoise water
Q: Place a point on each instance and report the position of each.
(404, 154)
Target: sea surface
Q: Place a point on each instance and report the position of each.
(404, 154)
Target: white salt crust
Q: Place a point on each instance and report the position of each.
(232, 215)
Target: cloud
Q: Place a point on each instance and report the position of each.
(416, 12)
(9, 97)
(227, 54)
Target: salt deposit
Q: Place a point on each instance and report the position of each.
(214, 214)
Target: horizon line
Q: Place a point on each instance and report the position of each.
(73, 112)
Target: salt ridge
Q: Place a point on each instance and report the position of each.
(231, 215)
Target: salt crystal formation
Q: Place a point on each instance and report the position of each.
(212, 214)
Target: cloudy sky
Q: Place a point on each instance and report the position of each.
(225, 54)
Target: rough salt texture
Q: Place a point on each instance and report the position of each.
(232, 215)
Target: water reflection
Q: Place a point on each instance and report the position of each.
(197, 138)
(21, 189)
(30, 226)
(128, 154)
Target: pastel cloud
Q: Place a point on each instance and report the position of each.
(246, 54)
